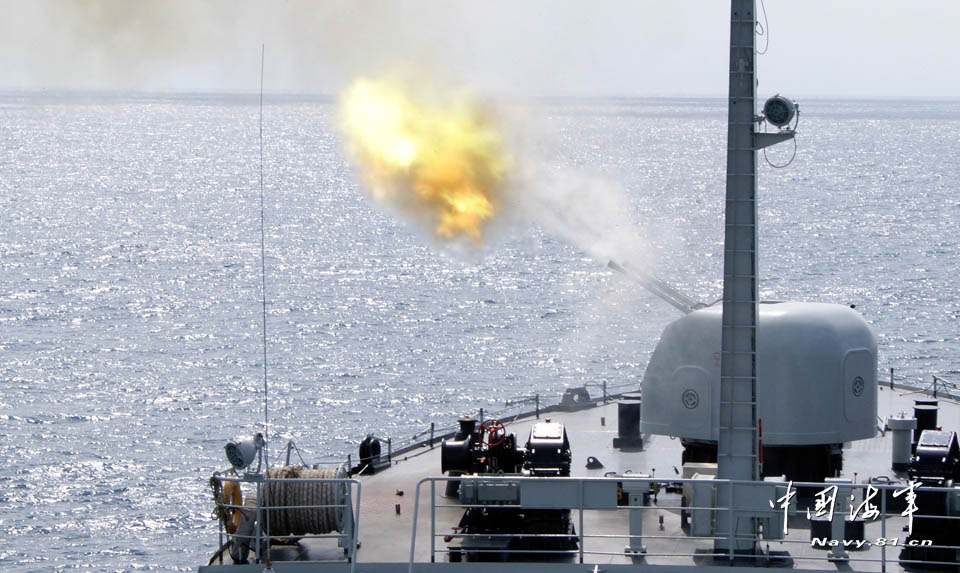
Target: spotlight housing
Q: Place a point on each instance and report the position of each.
(242, 451)
(779, 111)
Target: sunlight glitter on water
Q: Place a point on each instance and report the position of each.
(129, 291)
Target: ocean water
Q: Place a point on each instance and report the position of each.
(130, 341)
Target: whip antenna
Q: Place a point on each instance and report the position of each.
(263, 274)
(263, 288)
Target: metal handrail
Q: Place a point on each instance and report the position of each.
(885, 377)
(843, 493)
(614, 391)
(510, 405)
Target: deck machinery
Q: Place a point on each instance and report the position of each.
(935, 463)
(493, 526)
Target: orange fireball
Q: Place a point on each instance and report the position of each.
(442, 162)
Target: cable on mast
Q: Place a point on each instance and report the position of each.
(763, 30)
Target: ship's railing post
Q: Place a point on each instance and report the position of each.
(416, 514)
(265, 501)
(891, 378)
(431, 434)
(221, 539)
(604, 391)
(259, 521)
(580, 511)
(946, 385)
(481, 415)
(537, 399)
(934, 386)
(730, 520)
(355, 526)
(220, 531)
(348, 528)
(389, 451)
(838, 553)
(433, 521)
(883, 520)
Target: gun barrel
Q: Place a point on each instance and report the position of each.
(660, 288)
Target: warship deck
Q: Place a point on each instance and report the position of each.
(389, 501)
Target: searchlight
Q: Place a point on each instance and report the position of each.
(779, 111)
(242, 451)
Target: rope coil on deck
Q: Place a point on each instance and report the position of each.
(299, 520)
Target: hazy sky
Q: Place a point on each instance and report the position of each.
(538, 47)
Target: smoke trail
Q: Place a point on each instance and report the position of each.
(589, 212)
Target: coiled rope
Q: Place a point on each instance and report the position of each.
(325, 499)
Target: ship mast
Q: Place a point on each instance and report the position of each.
(736, 452)
(737, 446)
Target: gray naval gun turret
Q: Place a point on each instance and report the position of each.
(816, 386)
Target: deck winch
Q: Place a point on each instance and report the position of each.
(493, 526)
(487, 449)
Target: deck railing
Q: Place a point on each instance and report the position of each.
(799, 543)
(602, 391)
(513, 408)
